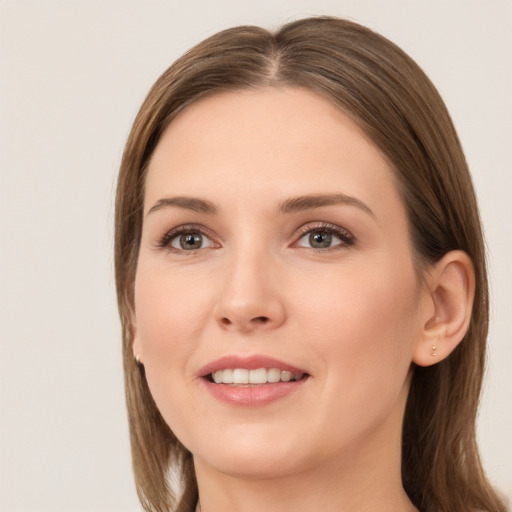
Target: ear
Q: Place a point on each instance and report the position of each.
(450, 294)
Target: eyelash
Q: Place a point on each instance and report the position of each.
(169, 237)
(347, 239)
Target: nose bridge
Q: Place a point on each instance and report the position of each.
(249, 297)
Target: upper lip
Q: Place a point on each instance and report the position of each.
(252, 362)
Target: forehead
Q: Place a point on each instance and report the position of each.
(266, 143)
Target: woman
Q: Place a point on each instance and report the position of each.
(301, 281)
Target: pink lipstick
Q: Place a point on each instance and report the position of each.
(251, 381)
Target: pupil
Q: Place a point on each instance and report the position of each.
(191, 241)
(320, 239)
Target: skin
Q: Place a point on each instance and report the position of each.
(353, 315)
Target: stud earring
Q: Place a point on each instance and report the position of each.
(434, 354)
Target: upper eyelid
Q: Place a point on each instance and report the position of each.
(190, 227)
(327, 226)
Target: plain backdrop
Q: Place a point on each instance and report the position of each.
(72, 76)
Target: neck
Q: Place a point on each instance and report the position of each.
(302, 495)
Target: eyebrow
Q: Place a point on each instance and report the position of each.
(294, 204)
(302, 203)
(187, 203)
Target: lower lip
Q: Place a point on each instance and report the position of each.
(253, 395)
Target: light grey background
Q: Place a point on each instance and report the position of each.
(72, 76)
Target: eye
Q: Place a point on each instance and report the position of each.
(185, 239)
(319, 239)
(325, 237)
(189, 241)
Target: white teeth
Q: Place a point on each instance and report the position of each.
(240, 376)
(286, 376)
(258, 376)
(273, 375)
(227, 376)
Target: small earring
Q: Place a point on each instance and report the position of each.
(434, 348)
(139, 365)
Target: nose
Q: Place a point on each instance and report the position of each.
(250, 297)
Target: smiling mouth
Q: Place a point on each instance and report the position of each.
(256, 377)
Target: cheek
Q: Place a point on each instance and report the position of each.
(365, 318)
(171, 312)
(169, 307)
(169, 319)
(362, 328)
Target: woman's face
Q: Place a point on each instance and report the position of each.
(274, 240)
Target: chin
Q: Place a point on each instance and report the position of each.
(250, 457)
(260, 466)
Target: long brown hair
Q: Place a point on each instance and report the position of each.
(389, 96)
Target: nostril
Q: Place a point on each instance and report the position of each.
(260, 319)
(245, 323)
